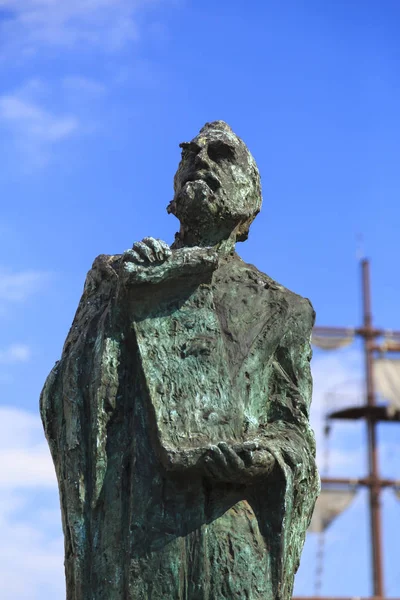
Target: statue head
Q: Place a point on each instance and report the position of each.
(217, 188)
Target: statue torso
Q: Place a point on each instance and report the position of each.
(205, 348)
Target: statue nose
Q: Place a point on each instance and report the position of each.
(202, 160)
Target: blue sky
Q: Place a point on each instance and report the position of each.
(95, 97)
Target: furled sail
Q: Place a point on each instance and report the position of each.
(330, 504)
(387, 380)
(333, 342)
(396, 490)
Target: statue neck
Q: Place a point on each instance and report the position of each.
(186, 239)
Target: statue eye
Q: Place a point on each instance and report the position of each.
(189, 148)
(219, 151)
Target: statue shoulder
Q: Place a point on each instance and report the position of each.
(104, 270)
(298, 306)
(100, 286)
(300, 310)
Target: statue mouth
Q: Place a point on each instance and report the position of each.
(207, 177)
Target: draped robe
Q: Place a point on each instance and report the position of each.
(153, 368)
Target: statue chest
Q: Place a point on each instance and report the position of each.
(195, 368)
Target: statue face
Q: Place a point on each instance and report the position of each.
(217, 185)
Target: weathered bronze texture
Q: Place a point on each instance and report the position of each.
(178, 415)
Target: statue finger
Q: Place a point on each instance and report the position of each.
(221, 463)
(166, 250)
(250, 449)
(160, 248)
(154, 246)
(144, 251)
(211, 469)
(218, 457)
(131, 255)
(251, 446)
(231, 458)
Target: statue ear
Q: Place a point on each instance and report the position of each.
(171, 207)
(242, 230)
(243, 236)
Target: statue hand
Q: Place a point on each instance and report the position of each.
(152, 261)
(149, 250)
(241, 463)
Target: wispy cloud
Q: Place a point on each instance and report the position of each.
(32, 546)
(16, 353)
(85, 85)
(34, 130)
(19, 428)
(19, 286)
(29, 120)
(30, 25)
(40, 115)
(26, 467)
(31, 538)
(24, 455)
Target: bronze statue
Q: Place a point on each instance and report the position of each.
(178, 415)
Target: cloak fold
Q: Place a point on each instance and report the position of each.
(132, 531)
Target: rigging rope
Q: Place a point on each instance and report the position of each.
(394, 584)
(319, 569)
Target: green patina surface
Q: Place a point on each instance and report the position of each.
(177, 416)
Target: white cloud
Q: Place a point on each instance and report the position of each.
(27, 468)
(25, 459)
(31, 539)
(34, 130)
(34, 24)
(19, 429)
(30, 123)
(15, 353)
(85, 85)
(30, 546)
(28, 115)
(35, 117)
(18, 286)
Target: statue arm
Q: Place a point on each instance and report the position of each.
(287, 433)
(284, 510)
(144, 264)
(291, 389)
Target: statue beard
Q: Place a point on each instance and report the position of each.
(203, 215)
(195, 204)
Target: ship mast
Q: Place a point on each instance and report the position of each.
(372, 415)
(374, 487)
